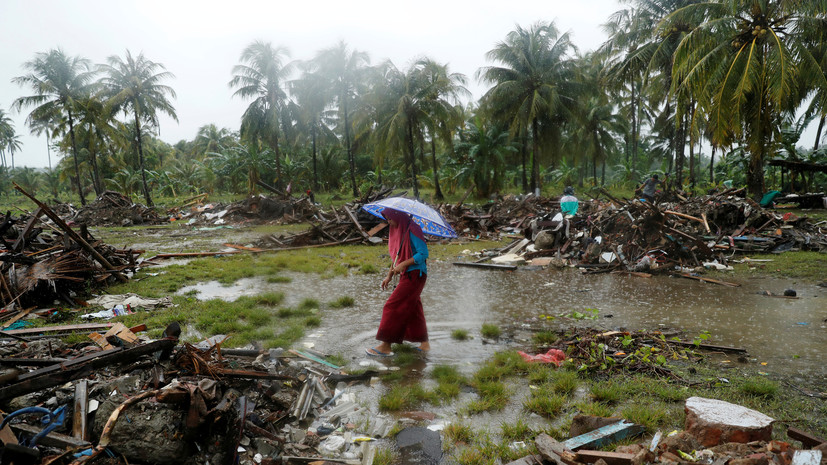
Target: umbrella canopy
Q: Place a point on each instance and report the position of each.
(426, 217)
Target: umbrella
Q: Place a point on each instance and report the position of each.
(426, 217)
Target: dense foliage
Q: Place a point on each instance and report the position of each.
(676, 83)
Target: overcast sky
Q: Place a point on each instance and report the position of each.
(200, 41)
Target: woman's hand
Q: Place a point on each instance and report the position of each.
(386, 281)
(400, 268)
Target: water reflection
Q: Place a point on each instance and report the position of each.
(789, 335)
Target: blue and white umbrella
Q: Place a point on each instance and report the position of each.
(426, 217)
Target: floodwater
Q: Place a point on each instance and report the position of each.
(782, 336)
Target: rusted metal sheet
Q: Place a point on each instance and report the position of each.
(604, 436)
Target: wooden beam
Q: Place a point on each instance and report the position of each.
(708, 280)
(807, 440)
(21, 241)
(489, 266)
(708, 346)
(60, 328)
(60, 441)
(611, 458)
(356, 222)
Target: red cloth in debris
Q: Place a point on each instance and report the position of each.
(402, 316)
(554, 356)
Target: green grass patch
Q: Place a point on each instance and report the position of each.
(545, 404)
(597, 409)
(343, 302)
(609, 391)
(384, 456)
(516, 431)
(805, 265)
(401, 398)
(308, 305)
(447, 374)
(458, 433)
(459, 335)
(279, 279)
(312, 322)
(564, 382)
(490, 331)
(368, 268)
(270, 299)
(759, 387)
(651, 415)
(545, 338)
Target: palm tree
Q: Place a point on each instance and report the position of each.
(746, 64)
(312, 94)
(485, 148)
(7, 135)
(442, 90)
(58, 81)
(260, 77)
(134, 85)
(344, 68)
(211, 139)
(535, 84)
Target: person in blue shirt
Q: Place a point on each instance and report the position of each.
(403, 318)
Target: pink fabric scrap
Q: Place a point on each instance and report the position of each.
(555, 356)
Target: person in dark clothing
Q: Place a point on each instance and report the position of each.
(649, 188)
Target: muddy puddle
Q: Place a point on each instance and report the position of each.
(783, 336)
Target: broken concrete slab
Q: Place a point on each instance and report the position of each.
(714, 422)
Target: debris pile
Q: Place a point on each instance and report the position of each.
(256, 208)
(161, 402)
(45, 260)
(636, 236)
(716, 432)
(115, 209)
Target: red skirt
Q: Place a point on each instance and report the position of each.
(402, 315)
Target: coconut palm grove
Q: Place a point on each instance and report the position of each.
(702, 92)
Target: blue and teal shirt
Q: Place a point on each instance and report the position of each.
(419, 251)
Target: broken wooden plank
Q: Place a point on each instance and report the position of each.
(246, 374)
(30, 362)
(356, 222)
(528, 460)
(53, 439)
(195, 254)
(611, 458)
(604, 436)
(707, 346)
(807, 440)
(21, 240)
(6, 435)
(490, 266)
(377, 228)
(19, 315)
(707, 280)
(58, 329)
(554, 451)
(683, 215)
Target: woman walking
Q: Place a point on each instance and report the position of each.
(402, 316)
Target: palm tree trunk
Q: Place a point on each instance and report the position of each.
(144, 185)
(523, 154)
(635, 129)
(96, 177)
(438, 194)
(349, 150)
(535, 159)
(603, 173)
(818, 133)
(315, 170)
(412, 160)
(48, 150)
(75, 156)
(712, 166)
